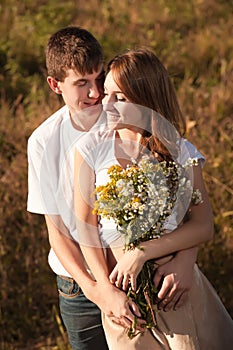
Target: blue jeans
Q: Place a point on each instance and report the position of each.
(81, 317)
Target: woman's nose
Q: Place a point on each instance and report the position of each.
(108, 100)
(108, 105)
(105, 100)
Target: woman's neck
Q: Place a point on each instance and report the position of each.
(127, 146)
(128, 135)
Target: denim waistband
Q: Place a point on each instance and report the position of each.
(66, 278)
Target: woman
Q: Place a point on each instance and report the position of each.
(137, 89)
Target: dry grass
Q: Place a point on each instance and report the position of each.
(195, 41)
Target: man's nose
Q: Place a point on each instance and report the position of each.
(94, 91)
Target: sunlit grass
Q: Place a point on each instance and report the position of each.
(195, 41)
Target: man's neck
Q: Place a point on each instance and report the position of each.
(86, 118)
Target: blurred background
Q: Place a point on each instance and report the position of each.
(194, 39)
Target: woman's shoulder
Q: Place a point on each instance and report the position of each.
(94, 146)
(188, 150)
(93, 139)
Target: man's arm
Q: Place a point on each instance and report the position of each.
(70, 255)
(68, 251)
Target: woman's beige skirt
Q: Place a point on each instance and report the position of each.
(202, 323)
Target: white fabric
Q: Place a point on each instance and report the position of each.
(50, 163)
(98, 150)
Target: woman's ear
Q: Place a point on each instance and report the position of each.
(54, 85)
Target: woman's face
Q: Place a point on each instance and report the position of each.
(121, 113)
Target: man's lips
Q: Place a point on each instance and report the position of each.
(91, 103)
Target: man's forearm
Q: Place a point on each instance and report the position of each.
(190, 254)
(68, 252)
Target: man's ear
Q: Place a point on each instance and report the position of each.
(54, 85)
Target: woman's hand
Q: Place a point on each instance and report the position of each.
(127, 269)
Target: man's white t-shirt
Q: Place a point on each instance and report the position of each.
(51, 173)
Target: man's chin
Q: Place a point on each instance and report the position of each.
(94, 107)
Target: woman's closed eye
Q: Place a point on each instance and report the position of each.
(116, 97)
(121, 98)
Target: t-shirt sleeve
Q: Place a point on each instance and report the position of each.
(41, 191)
(85, 155)
(188, 150)
(87, 147)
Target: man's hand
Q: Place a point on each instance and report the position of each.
(115, 304)
(175, 278)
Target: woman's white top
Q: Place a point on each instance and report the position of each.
(98, 150)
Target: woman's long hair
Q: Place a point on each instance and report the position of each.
(145, 81)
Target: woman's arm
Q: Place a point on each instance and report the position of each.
(86, 222)
(197, 230)
(116, 301)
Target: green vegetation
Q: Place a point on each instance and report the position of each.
(195, 41)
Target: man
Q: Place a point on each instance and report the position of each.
(74, 62)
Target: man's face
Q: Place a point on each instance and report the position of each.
(82, 91)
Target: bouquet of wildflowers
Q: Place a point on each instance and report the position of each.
(140, 199)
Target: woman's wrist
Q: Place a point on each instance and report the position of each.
(141, 254)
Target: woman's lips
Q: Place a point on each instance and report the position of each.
(113, 116)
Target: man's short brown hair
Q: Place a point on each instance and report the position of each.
(72, 48)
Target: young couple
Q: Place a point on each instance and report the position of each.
(191, 316)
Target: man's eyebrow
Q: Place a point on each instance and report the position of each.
(81, 80)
